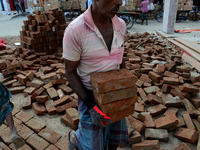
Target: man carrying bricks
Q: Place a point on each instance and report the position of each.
(6, 108)
(94, 43)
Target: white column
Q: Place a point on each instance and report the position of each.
(169, 18)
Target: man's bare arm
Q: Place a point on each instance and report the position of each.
(73, 78)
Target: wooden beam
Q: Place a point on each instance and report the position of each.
(185, 49)
(191, 61)
(189, 44)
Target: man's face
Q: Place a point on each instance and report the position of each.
(109, 8)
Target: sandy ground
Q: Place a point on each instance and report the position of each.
(10, 33)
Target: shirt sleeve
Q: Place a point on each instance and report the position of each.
(71, 45)
(141, 4)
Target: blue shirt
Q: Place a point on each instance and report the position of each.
(89, 2)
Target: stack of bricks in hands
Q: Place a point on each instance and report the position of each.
(115, 92)
(165, 82)
(43, 32)
(41, 78)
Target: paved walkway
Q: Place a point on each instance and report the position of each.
(36, 134)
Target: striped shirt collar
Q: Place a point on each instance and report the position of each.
(90, 23)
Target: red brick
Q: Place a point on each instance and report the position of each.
(113, 80)
(181, 123)
(154, 99)
(186, 75)
(17, 90)
(51, 110)
(171, 74)
(171, 110)
(15, 110)
(188, 135)
(145, 78)
(148, 120)
(6, 73)
(58, 81)
(4, 146)
(31, 57)
(139, 83)
(48, 77)
(39, 109)
(115, 95)
(139, 106)
(62, 143)
(152, 89)
(9, 83)
(67, 90)
(49, 85)
(24, 117)
(136, 124)
(189, 88)
(118, 115)
(170, 80)
(41, 99)
(172, 101)
(160, 67)
(135, 137)
(35, 125)
(166, 122)
(145, 84)
(27, 103)
(145, 70)
(188, 121)
(45, 69)
(135, 60)
(24, 131)
(22, 79)
(37, 93)
(49, 135)
(156, 110)
(138, 116)
(195, 101)
(182, 69)
(52, 147)
(52, 93)
(182, 95)
(157, 134)
(37, 142)
(62, 101)
(5, 136)
(197, 124)
(142, 95)
(30, 90)
(147, 144)
(166, 88)
(6, 79)
(170, 65)
(30, 76)
(32, 84)
(73, 115)
(182, 146)
(16, 84)
(154, 76)
(66, 120)
(62, 108)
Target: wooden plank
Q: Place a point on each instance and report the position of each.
(191, 61)
(185, 49)
(164, 35)
(189, 44)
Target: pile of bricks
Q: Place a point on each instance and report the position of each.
(42, 78)
(35, 133)
(115, 92)
(43, 32)
(165, 84)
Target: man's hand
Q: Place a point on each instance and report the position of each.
(98, 117)
(96, 114)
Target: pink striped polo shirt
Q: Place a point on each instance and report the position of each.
(83, 42)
